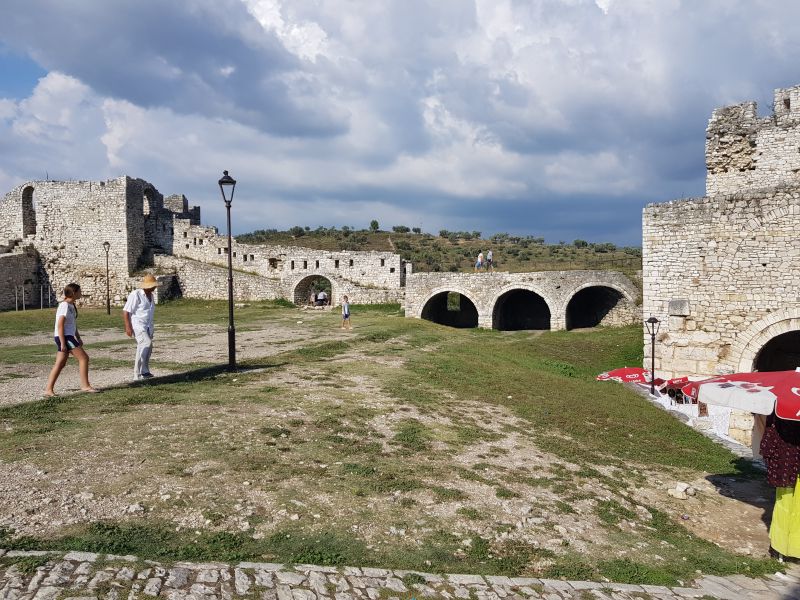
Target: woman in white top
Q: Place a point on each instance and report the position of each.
(68, 341)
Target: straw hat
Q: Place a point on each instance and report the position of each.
(149, 282)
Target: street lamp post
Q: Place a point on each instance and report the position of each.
(229, 182)
(652, 325)
(107, 247)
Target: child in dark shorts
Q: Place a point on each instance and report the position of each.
(68, 341)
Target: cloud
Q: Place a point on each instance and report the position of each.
(487, 115)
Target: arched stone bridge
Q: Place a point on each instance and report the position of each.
(516, 301)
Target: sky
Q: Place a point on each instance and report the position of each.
(551, 118)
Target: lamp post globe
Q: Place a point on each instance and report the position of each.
(229, 183)
(652, 325)
(107, 247)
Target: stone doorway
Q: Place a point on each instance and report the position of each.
(591, 305)
(452, 309)
(781, 353)
(312, 284)
(519, 310)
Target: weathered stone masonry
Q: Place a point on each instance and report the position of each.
(52, 232)
(722, 272)
(552, 299)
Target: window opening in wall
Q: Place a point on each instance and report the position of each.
(195, 241)
(185, 234)
(245, 257)
(172, 231)
(383, 262)
(787, 104)
(187, 246)
(28, 212)
(351, 262)
(391, 269)
(219, 250)
(225, 250)
(305, 264)
(316, 264)
(201, 241)
(336, 264)
(292, 266)
(252, 258)
(273, 263)
(234, 255)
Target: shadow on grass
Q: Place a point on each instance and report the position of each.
(747, 483)
(198, 374)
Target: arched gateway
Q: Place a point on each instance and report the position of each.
(313, 283)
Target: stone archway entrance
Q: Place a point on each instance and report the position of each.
(315, 284)
(520, 309)
(452, 309)
(589, 306)
(781, 353)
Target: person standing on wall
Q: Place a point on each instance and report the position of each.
(489, 261)
(780, 449)
(138, 316)
(68, 341)
(479, 262)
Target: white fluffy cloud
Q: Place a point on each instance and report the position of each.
(417, 111)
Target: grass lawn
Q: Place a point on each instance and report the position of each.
(402, 444)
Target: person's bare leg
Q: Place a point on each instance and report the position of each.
(61, 360)
(83, 369)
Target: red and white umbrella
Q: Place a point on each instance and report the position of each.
(626, 375)
(761, 392)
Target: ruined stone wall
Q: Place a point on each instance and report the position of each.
(744, 151)
(379, 270)
(200, 280)
(723, 276)
(68, 221)
(19, 268)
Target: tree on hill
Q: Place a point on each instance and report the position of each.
(400, 229)
(374, 225)
(416, 229)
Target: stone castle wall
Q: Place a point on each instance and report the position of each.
(718, 272)
(370, 269)
(19, 269)
(722, 272)
(744, 151)
(66, 223)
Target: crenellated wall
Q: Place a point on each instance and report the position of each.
(745, 151)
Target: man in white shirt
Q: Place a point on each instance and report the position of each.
(322, 298)
(138, 316)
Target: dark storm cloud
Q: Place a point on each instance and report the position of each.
(171, 54)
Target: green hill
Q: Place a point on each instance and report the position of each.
(457, 250)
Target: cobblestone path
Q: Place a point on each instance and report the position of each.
(85, 576)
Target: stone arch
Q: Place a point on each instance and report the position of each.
(521, 307)
(592, 302)
(28, 211)
(749, 343)
(451, 307)
(148, 201)
(781, 353)
(301, 292)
